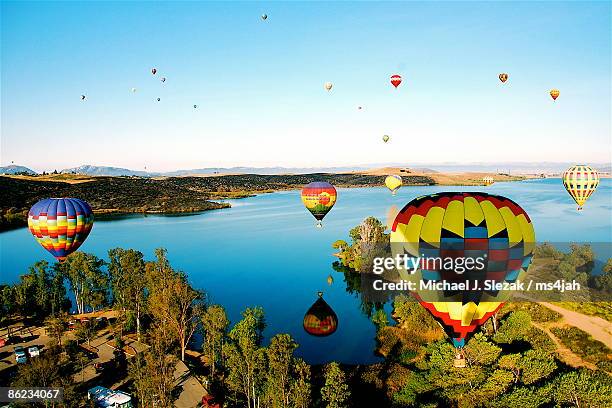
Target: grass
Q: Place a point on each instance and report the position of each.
(599, 309)
(585, 346)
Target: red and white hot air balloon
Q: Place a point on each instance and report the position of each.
(396, 80)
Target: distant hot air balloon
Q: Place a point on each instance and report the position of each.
(158, 99)
(393, 183)
(319, 197)
(83, 97)
(320, 320)
(163, 79)
(461, 226)
(554, 93)
(264, 17)
(396, 80)
(60, 225)
(503, 77)
(487, 180)
(328, 86)
(385, 138)
(133, 90)
(154, 71)
(359, 107)
(195, 106)
(580, 181)
(330, 280)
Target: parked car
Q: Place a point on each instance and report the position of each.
(33, 351)
(4, 342)
(20, 355)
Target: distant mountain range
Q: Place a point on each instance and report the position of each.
(512, 168)
(13, 169)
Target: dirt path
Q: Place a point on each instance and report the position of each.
(565, 354)
(598, 328)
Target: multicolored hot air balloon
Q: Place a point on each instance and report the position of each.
(396, 80)
(385, 138)
(319, 197)
(154, 71)
(328, 86)
(60, 225)
(493, 231)
(320, 320)
(554, 93)
(503, 77)
(580, 181)
(393, 183)
(488, 180)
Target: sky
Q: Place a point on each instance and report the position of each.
(259, 89)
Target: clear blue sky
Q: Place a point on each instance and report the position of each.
(259, 85)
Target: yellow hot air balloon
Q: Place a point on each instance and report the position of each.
(393, 183)
(503, 77)
(330, 280)
(487, 180)
(580, 181)
(385, 138)
(554, 93)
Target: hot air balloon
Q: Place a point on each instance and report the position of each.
(264, 17)
(154, 71)
(163, 79)
(195, 106)
(359, 107)
(385, 138)
(396, 80)
(133, 90)
(83, 97)
(580, 181)
(60, 225)
(158, 99)
(319, 197)
(493, 231)
(320, 320)
(393, 183)
(487, 180)
(503, 77)
(328, 86)
(330, 280)
(554, 93)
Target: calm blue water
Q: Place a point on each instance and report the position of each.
(266, 251)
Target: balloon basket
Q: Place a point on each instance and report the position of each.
(459, 361)
(319, 224)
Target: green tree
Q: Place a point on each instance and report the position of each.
(479, 351)
(88, 282)
(300, 385)
(214, 326)
(245, 359)
(280, 358)
(335, 392)
(55, 328)
(515, 327)
(583, 388)
(380, 319)
(128, 278)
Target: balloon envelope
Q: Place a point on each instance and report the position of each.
(489, 229)
(385, 138)
(580, 181)
(154, 71)
(503, 77)
(393, 183)
(554, 93)
(396, 80)
(328, 86)
(319, 197)
(60, 225)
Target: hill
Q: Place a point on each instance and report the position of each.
(14, 169)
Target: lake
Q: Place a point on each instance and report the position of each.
(266, 251)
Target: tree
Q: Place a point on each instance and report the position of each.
(179, 307)
(604, 281)
(279, 357)
(88, 282)
(515, 327)
(86, 331)
(214, 327)
(380, 319)
(583, 388)
(479, 351)
(336, 391)
(300, 386)
(245, 359)
(55, 327)
(128, 278)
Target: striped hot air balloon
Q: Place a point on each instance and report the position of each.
(554, 93)
(396, 80)
(580, 181)
(493, 231)
(320, 320)
(393, 183)
(319, 197)
(488, 180)
(60, 225)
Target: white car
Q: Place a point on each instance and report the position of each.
(33, 351)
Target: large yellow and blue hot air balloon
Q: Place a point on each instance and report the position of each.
(319, 197)
(580, 181)
(393, 183)
(491, 228)
(60, 225)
